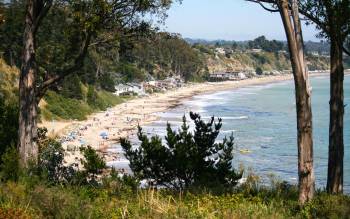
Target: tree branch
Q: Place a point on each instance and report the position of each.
(42, 13)
(314, 19)
(347, 52)
(61, 74)
(260, 2)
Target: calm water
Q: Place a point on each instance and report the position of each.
(263, 121)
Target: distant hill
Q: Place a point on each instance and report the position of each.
(321, 47)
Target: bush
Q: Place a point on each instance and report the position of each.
(10, 164)
(91, 96)
(71, 87)
(60, 107)
(51, 166)
(107, 82)
(187, 160)
(8, 123)
(327, 206)
(93, 164)
(131, 73)
(66, 108)
(259, 71)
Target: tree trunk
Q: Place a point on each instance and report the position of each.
(336, 107)
(303, 100)
(28, 149)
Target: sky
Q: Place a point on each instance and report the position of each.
(228, 20)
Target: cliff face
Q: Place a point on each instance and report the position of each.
(267, 61)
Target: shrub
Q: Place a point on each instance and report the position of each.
(66, 108)
(91, 96)
(258, 71)
(93, 164)
(10, 164)
(107, 82)
(8, 123)
(51, 160)
(59, 107)
(188, 159)
(71, 87)
(327, 206)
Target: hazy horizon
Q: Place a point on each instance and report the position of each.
(236, 20)
(246, 40)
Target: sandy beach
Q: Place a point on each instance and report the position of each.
(103, 129)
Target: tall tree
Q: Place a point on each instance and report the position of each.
(11, 30)
(2, 19)
(332, 17)
(87, 22)
(289, 12)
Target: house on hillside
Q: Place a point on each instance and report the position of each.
(255, 50)
(220, 50)
(237, 76)
(219, 76)
(163, 85)
(129, 89)
(223, 76)
(121, 88)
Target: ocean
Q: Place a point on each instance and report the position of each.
(263, 122)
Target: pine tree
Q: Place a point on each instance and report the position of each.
(187, 160)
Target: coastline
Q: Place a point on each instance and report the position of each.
(122, 120)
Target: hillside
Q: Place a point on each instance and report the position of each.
(267, 61)
(8, 80)
(58, 104)
(268, 55)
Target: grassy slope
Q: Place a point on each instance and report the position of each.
(8, 80)
(58, 107)
(266, 60)
(114, 200)
(55, 106)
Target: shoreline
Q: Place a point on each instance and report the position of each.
(122, 120)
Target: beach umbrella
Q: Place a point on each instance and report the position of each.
(103, 134)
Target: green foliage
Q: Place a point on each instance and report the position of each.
(266, 45)
(71, 87)
(66, 108)
(258, 71)
(187, 160)
(107, 82)
(52, 169)
(163, 54)
(64, 29)
(11, 31)
(8, 123)
(111, 201)
(59, 107)
(51, 160)
(9, 167)
(327, 206)
(93, 164)
(91, 97)
(130, 72)
(203, 49)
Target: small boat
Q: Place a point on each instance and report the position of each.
(245, 151)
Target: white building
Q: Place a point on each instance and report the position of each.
(237, 76)
(129, 88)
(220, 50)
(219, 76)
(255, 50)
